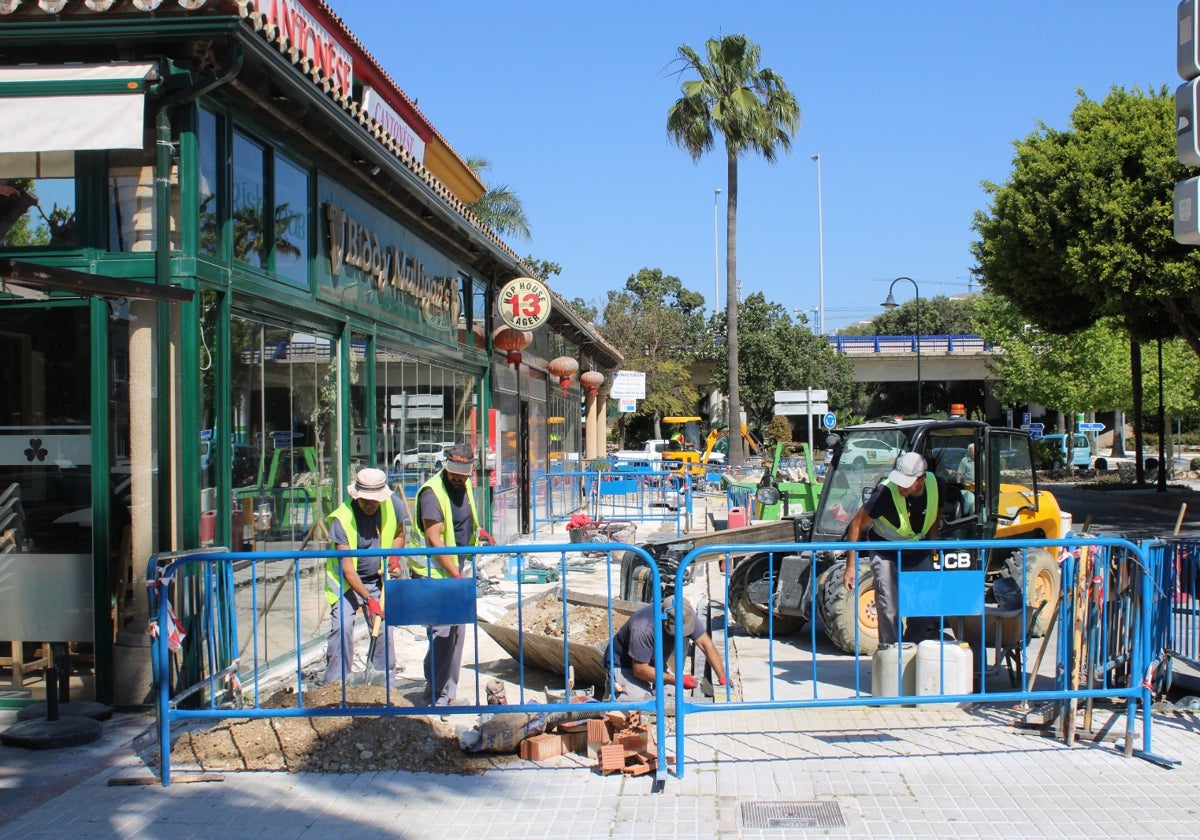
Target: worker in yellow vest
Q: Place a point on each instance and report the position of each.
(374, 517)
(446, 517)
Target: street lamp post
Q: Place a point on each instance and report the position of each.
(820, 252)
(890, 303)
(716, 255)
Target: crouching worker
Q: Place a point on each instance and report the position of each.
(373, 518)
(630, 658)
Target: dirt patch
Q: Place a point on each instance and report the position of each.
(334, 744)
(586, 625)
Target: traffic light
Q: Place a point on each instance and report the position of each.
(1187, 107)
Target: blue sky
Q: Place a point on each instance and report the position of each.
(909, 105)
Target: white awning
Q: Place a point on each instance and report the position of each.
(75, 106)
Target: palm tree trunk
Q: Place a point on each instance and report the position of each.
(737, 449)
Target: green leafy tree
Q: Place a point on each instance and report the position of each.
(500, 207)
(1083, 228)
(783, 356)
(656, 324)
(755, 112)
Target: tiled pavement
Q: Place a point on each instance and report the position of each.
(879, 773)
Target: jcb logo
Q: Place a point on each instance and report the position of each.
(952, 560)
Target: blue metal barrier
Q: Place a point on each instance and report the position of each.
(1102, 614)
(626, 492)
(1175, 622)
(215, 597)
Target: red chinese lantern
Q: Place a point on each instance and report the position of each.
(512, 341)
(564, 368)
(592, 380)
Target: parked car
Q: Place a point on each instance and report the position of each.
(862, 452)
(1081, 449)
(427, 455)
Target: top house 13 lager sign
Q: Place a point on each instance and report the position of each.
(524, 303)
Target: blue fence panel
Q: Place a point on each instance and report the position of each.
(1105, 603)
(215, 596)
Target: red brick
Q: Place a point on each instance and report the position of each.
(541, 747)
(612, 759)
(598, 732)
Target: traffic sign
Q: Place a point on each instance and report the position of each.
(829, 420)
(1090, 427)
(801, 408)
(814, 395)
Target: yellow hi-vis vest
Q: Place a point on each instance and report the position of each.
(335, 582)
(431, 566)
(903, 530)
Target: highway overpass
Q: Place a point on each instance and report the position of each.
(893, 358)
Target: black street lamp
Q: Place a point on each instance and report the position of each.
(890, 303)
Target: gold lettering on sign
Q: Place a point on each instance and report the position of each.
(352, 243)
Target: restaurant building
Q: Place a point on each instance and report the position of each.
(238, 264)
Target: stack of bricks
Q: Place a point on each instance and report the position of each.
(622, 744)
(569, 737)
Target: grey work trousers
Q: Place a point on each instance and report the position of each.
(885, 569)
(443, 661)
(339, 653)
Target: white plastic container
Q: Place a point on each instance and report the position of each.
(884, 667)
(943, 668)
(1068, 522)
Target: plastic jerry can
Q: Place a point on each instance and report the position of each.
(737, 517)
(943, 668)
(887, 663)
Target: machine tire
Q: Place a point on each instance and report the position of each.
(842, 616)
(750, 615)
(1044, 583)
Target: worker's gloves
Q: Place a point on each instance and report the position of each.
(373, 608)
(689, 682)
(720, 681)
(485, 538)
(394, 567)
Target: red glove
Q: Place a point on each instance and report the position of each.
(689, 682)
(720, 681)
(373, 608)
(487, 538)
(394, 566)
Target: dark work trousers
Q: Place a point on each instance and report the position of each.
(341, 635)
(442, 663)
(887, 589)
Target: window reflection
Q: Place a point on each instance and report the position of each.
(249, 239)
(37, 199)
(208, 140)
(291, 222)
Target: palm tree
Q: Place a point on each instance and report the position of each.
(499, 208)
(755, 111)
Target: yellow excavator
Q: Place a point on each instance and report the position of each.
(752, 444)
(681, 451)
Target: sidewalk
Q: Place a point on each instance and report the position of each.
(868, 772)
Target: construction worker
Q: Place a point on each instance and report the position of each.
(374, 517)
(630, 659)
(902, 508)
(446, 517)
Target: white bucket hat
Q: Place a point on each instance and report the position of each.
(370, 483)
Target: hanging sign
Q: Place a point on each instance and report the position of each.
(524, 303)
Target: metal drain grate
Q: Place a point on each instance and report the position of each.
(796, 814)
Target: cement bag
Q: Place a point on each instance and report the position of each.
(502, 733)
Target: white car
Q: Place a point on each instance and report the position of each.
(427, 455)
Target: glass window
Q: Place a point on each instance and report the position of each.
(249, 186)
(423, 409)
(209, 140)
(285, 407)
(131, 201)
(291, 222)
(37, 199)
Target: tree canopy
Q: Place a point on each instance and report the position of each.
(780, 355)
(1083, 228)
